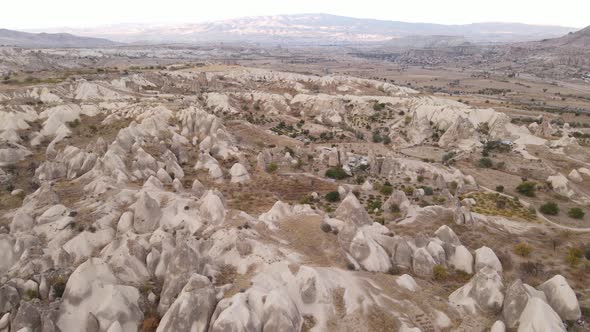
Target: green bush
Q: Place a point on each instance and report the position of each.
(500, 189)
(576, 213)
(336, 173)
(376, 137)
(439, 272)
(428, 191)
(550, 208)
(386, 190)
(485, 163)
(378, 106)
(527, 188)
(333, 196)
(272, 167)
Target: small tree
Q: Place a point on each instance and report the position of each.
(527, 188)
(576, 213)
(550, 208)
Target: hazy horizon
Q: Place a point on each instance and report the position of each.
(72, 14)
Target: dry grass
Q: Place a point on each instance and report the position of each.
(498, 205)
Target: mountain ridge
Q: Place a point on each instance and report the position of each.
(27, 39)
(314, 28)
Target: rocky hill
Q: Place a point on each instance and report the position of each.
(49, 40)
(578, 39)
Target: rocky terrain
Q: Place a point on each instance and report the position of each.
(228, 198)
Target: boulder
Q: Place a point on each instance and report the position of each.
(575, 176)
(461, 259)
(403, 254)
(447, 235)
(482, 293)
(239, 174)
(212, 208)
(498, 326)
(351, 210)
(21, 221)
(406, 281)
(423, 263)
(27, 317)
(516, 299)
(93, 289)
(192, 308)
(485, 256)
(538, 316)
(147, 214)
(561, 298)
(437, 252)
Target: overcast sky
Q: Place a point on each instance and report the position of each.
(35, 14)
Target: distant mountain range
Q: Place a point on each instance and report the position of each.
(48, 40)
(314, 29)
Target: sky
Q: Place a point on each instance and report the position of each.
(39, 14)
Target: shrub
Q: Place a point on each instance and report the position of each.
(272, 167)
(150, 322)
(574, 256)
(386, 190)
(527, 188)
(420, 178)
(549, 208)
(428, 191)
(576, 213)
(326, 228)
(378, 106)
(386, 140)
(522, 249)
(374, 205)
(31, 294)
(500, 189)
(439, 272)
(531, 268)
(74, 124)
(336, 173)
(376, 137)
(485, 163)
(333, 196)
(59, 286)
(394, 208)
